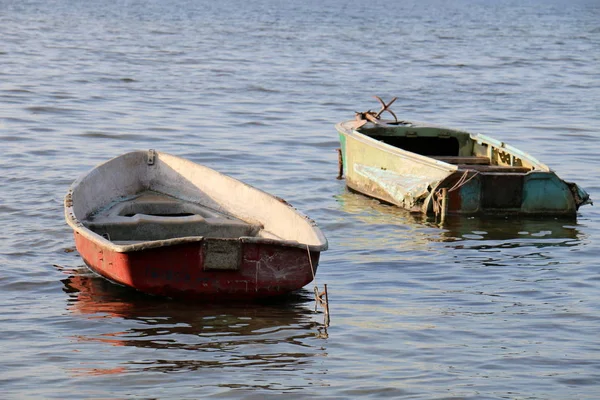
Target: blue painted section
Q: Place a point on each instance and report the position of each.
(470, 195)
(544, 192)
(583, 195)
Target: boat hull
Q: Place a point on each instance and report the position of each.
(184, 271)
(514, 184)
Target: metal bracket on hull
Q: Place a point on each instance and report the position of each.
(222, 254)
(151, 156)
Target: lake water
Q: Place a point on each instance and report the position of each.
(472, 309)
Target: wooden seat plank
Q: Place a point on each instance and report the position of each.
(472, 160)
(494, 168)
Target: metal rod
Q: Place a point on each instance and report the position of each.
(340, 165)
(327, 319)
(444, 204)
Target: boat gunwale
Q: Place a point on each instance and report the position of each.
(426, 160)
(347, 128)
(79, 227)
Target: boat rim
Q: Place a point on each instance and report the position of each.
(79, 228)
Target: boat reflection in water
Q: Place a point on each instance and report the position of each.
(186, 336)
(541, 232)
(463, 266)
(389, 226)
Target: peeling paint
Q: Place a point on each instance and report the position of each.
(406, 189)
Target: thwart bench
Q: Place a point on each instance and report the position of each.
(479, 163)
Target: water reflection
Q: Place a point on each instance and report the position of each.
(383, 223)
(284, 334)
(511, 232)
(464, 265)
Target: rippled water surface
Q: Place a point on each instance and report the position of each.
(471, 309)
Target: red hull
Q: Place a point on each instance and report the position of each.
(182, 271)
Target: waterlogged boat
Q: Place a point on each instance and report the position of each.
(166, 226)
(436, 170)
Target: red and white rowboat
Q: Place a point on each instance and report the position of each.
(166, 226)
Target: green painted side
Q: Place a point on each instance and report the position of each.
(545, 192)
(388, 173)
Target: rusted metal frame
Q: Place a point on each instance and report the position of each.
(386, 107)
(372, 116)
(321, 298)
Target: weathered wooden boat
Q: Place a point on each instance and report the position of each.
(166, 226)
(436, 170)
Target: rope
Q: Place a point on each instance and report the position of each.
(312, 269)
(256, 278)
(437, 202)
(437, 198)
(463, 180)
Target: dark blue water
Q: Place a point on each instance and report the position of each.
(472, 309)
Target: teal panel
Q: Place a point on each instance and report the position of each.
(470, 194)
(545, 192)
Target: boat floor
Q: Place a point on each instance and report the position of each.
(151, 216)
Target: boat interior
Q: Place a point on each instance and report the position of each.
(467, 151)
(150, 216)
